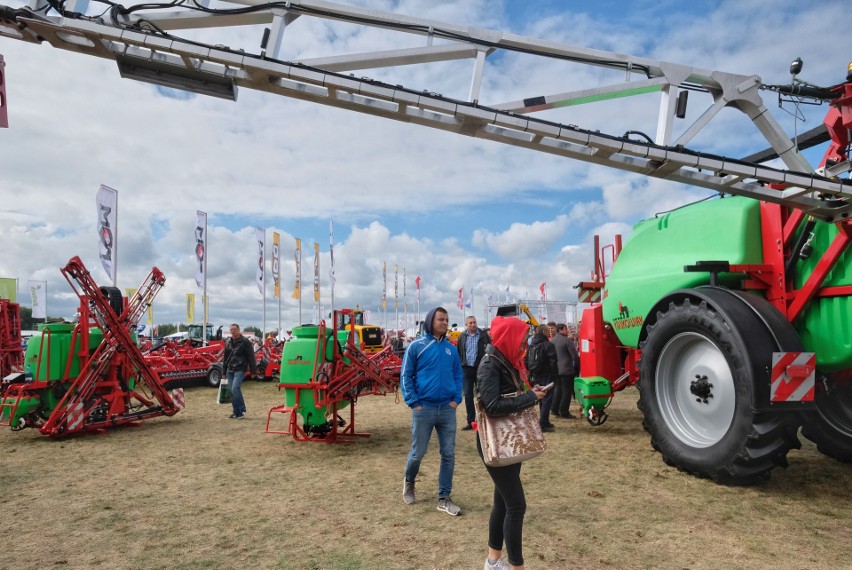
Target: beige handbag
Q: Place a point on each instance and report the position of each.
(509, 439)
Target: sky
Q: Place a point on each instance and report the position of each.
(460, 213)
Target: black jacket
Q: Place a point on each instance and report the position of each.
(552, 369)
(239, 355)
(481, 343)
(496, 377)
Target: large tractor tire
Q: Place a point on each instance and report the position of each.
(698, 376)
(830, 427)
(114, 298)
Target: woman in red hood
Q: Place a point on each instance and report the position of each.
(499, 374)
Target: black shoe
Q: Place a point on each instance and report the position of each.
(548, 428)
(468, 427)
(570, 417)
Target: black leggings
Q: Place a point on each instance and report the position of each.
(507, 514)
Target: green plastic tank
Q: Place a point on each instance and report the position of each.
(297, 367)
(651, 263)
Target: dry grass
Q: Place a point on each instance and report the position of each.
(200, 491)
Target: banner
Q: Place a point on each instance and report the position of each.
(200, 248)
(316, 273)
(331, 276)
(130, 293)
(107, 205)
(396, 286)
(9, 289)
(276, 263)
(460, 300)
(542, 289)
(297, 290)
(260, 235)
(38, 293)
(151, 314)
(384, 285)
(190, 308)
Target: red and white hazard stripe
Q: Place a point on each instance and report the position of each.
(588, 295)
(178, 398)
(793, 377)
(75, 417)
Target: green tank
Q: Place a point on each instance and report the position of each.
(297, 367)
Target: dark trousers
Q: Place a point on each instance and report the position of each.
(506, 523)
(468, 381)
(546, 404)
(562, 393)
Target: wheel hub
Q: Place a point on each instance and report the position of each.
(701, 388)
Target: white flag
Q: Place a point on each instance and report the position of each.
(107, 204)
(200, 248)
(331, 277)
(38, 292)
(260, 234)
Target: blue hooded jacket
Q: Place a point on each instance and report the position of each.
(431, 369)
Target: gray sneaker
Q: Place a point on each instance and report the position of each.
(408, 492)
(499, 565)
(448, 506)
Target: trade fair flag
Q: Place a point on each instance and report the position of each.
(276, 263)
(200, 249)
(297, 289)
(316, 273)
(190, 308)
(460, 300)
(9, 289)
(107, 205)
(384, 286)
(260, 236)
(38, 293)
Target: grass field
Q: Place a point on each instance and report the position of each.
(201, 491)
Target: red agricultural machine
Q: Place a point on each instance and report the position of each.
(89, 375)
(11, 353)
(323, 371)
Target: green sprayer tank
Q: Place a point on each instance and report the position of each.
(298, 368)
(651, 266)
(51, 358)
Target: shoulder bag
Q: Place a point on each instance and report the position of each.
(509, 439)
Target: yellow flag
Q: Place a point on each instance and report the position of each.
(130, 293)
(190, 308)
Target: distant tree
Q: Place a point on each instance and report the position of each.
(167, 329)
(254, 330)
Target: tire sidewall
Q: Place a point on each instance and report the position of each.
(699, 319)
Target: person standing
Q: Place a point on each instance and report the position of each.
(431, 383)
(542, 365)
(237, 358)
(567, 369)
(499, 374)
(471, 345)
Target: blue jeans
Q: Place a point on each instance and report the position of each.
(235, 382)
(443, 420)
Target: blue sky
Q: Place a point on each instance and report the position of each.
(457, 211)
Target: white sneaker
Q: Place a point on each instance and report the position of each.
(499, 565)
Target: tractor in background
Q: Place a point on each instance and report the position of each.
(324, 371)
(89, 375)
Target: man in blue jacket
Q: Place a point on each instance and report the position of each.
(431, 383)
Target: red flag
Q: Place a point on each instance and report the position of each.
(417, 282)
(541, 287)
(460, 302)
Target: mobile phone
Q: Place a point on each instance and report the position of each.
(547, 386)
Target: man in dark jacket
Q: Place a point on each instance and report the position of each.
(543, 367)
(568, 368)
(237, 358)
(471, 345)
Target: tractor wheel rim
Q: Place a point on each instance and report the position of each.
(695, 389)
